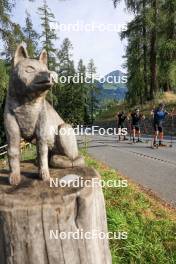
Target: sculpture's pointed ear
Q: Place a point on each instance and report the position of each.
(43, 57)
(20, 53)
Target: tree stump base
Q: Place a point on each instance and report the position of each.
(33, 216)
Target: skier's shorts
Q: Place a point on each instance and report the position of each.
(158, 127)
(121, 125)
(136, 127)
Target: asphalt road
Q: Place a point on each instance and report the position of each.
(155, 169)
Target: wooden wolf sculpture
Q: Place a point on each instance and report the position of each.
(29, 116)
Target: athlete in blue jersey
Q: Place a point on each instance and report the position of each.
(159, 115)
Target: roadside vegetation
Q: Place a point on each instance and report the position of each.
(151, 226)
(149, 223)
(109, 113)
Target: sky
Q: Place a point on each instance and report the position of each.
(93, 36)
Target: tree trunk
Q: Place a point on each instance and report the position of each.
(153, 54)
(145, 51)
(34, 214)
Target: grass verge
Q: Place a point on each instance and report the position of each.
(151, 227)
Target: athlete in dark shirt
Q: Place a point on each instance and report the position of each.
(121, 117)
(136, 118)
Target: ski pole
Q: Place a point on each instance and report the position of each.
(144, 127)
(130, 128)
(172, 128)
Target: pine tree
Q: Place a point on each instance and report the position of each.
(48, 37)
(48, 34)
(65, 57)
(72, 94)
(151, 49)
(93, 91)
(4, 79)
(31, 36)
(66, 93)
(136, 52)
(10, 32)
(83, 92)
(167, 45)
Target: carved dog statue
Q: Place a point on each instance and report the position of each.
(29, 116)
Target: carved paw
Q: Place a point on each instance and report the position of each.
(44, 174)
(14, 179)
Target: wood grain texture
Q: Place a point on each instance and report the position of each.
(30, 211)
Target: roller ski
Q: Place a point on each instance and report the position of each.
(161, 145)
(155, 145)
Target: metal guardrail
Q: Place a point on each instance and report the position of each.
(3, 149)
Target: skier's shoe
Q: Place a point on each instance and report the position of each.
(139, 141)
(155, 145)
(125, 139)
(162, 145)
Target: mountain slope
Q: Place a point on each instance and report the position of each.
(113, 86)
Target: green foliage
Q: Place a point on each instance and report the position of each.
(66, 89)
(4, 79)
(83, 93)
(93, 90)
(72, 98)
(151, 50)
(29, 153)
(48, 35)
(76, 102)
(10, 32)
(172, 74)
(31, 36)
